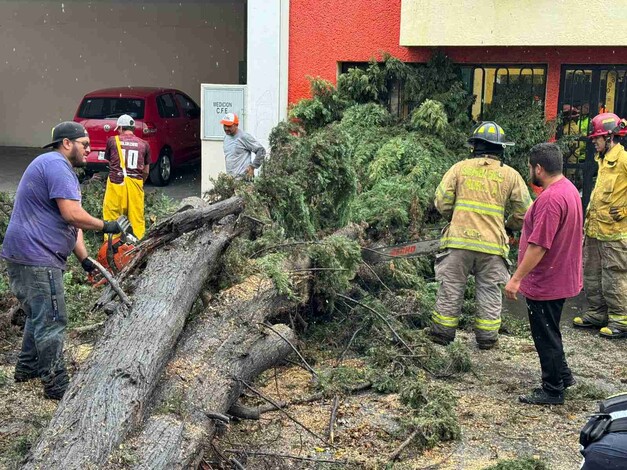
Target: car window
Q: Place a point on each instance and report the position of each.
(166, 106)
(185, 102)
(110, 108)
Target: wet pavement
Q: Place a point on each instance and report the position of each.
(572, 308)
(14, 160)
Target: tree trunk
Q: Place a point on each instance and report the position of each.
(108, 395)
(227, 345)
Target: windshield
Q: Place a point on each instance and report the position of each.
(111, 108)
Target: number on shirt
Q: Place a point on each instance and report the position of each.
(131, 157)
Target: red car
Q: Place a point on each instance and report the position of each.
(166, 118)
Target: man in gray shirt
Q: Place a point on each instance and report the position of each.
(238, 146)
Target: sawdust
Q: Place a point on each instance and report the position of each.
(494, 424)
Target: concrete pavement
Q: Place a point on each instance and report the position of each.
(14, 160)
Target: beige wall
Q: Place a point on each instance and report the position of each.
(513, 23)
(53, 52)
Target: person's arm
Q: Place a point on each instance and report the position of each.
(80, 250)
(146, 171)
(253, 145)
(519, 203)
(445, 194)
(533, 256)
(74, 214)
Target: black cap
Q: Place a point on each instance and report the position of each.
(67, 130)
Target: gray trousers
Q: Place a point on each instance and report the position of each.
(605, 282)
(40, 291)
(452, 269)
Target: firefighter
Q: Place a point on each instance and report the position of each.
(474, 194)
(605, 242)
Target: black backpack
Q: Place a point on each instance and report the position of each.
(612, 417)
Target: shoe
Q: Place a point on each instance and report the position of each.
(54, 394)
(539, 396)
(612, 333)
(580, 322)
(569, 382)
(21, 376)
(438, 339)
(486, 345)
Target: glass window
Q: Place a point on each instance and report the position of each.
(109, 108)
(167, 107)
(485, 82)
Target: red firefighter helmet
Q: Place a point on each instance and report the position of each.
(606, 124)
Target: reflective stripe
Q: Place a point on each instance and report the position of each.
(450, 322)
(466, 244)
(479, 207)
(487, 325)
(448, 195)
(622, 319)
(618, 414)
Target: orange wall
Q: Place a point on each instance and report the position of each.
(325, 32)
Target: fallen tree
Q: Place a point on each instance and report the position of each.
(226, 347)
(109, 395)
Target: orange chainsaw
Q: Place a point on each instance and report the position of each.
(115, 253)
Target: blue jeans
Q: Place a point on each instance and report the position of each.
(40, 291)
(608, 453)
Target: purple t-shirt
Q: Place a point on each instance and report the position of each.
(37, 235)
(555, 222)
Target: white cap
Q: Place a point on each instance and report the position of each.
(125, 121)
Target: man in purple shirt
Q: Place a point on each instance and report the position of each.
(549, 267)
(45, 227)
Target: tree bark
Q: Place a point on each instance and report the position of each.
(227, 345)
(109, 394)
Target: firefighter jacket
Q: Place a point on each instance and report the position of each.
(475, 194)
(609, 191)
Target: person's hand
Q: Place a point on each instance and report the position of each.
(88, 265)
(618, 213)
(122, 225)
(511, 289)
(250, 172)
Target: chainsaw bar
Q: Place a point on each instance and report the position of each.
(406, 250)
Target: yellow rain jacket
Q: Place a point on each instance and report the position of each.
(476, 193)
(609, 191)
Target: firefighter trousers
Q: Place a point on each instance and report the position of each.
(126, 199)
(605, 282)
(452, 269)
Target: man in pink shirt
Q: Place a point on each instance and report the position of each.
(549, 267)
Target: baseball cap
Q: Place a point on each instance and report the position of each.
(230, 119)
(67, 130)
(124, 121)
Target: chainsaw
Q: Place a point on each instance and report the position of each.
(404, 250)
(116, 252)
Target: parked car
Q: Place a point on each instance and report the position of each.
(166, 118)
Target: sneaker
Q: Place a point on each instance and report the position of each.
(612, 333)
(539, 396)
(21, 376)
(54, 394)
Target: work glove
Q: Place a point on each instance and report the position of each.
(88, 265)
(618, 213)
(122, 225)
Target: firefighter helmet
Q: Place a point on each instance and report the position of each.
(491, 132)
(606, 124)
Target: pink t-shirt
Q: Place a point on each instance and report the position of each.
(555, 222)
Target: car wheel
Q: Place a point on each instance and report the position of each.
(161, 172)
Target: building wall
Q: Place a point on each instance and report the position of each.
(266, 88)
(326, 32)
(530, 22)
(53, 52)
